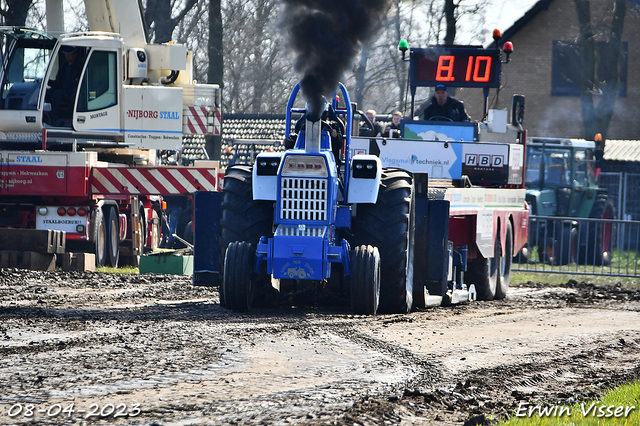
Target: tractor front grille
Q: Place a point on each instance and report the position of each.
(303, 199)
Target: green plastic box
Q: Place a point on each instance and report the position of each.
(166, 263)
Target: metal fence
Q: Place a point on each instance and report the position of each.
(581, 246)
(624, 189)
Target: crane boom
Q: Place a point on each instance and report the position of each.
(117, 16)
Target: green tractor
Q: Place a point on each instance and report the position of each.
(562, 180)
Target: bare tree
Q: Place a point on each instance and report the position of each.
(15, 12)
(596, 115)
(257, 73)
(450, 17)
(162, 17)
(214, 48)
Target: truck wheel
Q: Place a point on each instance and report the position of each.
(113, 238)
(504, 277)
(600, 235)
(100, 238)
(389, 225)
(246, 219)
(236, 282)
(135, 259)
(484, 274)
(365, 280)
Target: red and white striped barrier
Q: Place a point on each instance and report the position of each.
(153, 180)
(200, 120)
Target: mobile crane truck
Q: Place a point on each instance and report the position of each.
(430, 218)
(85, 163)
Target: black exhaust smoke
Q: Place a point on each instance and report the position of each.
(325, 36)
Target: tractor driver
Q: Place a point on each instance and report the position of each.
(444, 108)
(331, 123)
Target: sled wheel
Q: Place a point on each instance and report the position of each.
(484, 273)
(365, 280)
(502, 286)
(237, 286)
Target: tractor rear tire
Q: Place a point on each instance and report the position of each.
(236, 282)
(599, 247)
(365, 280)
(246, 219)
(504, 271)
(389, 225)
(243, 218)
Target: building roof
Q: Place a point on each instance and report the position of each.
(622, 150)
(526, 18)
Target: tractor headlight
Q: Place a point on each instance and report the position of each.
(364, 168)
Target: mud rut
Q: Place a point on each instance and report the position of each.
(88, 348)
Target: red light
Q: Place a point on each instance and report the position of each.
(61, 211)
(71, 211)
(82, 211)
(508, 48)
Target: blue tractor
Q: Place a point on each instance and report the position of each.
(305, 217)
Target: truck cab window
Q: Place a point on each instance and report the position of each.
(581, 177)
(99, 84)
(21, 83)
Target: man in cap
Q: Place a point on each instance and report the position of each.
(443, 107)
(66, 83)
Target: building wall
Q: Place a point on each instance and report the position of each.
(529, 74)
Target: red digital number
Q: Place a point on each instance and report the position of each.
(487, 69)
(445, 68)
(482, 63)
(469, 68)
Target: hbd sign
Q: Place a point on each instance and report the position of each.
(484, 160)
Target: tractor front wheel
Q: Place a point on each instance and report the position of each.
(365, 280)
(598, 250)
(236, 283)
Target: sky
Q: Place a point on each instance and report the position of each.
(501, 14)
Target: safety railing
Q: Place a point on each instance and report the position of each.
(581, 246)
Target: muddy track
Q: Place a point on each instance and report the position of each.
(152, 349)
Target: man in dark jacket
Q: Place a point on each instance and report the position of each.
(442, 105)
(64, 87)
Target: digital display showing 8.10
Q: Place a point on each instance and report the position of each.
(456, 67)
